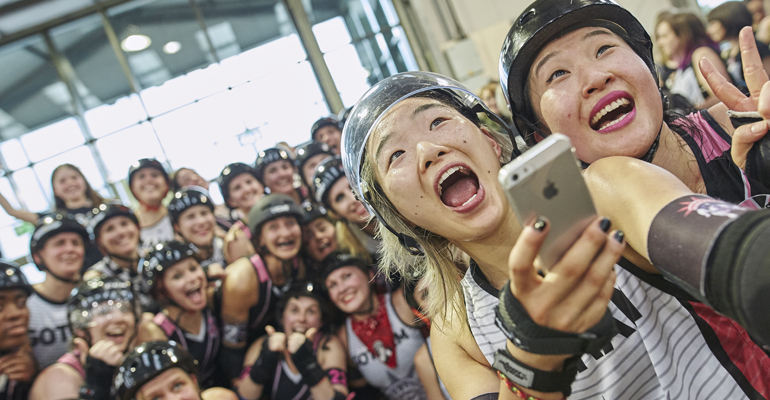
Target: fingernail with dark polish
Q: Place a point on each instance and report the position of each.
(619, 236)
(539, 225)
(605, 224)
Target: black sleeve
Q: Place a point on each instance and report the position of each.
(98, 380)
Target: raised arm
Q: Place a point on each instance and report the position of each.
(23, 215)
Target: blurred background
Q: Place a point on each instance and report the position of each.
(203, 83)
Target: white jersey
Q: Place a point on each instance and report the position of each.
(659, 353)
(49, 331)
(401, 382)
(162, 231)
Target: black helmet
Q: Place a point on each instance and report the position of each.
(101, 214)
(90, 294)
(11, 277)
(380, 99)
(268, 157)
(229, 173)
(311, 212)
(327, 173)
(161, 257)
(337, 260)
(146, 362)
(188, 197)
(146, 163)
(540, 23)
(308, 151)
(326, 121)
(270, 207)
(55, 224)
(302, 289)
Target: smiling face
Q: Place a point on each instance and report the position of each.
(185, 284)
(439, 170)
(301, 314)
(63, 255)
(171, 384)
(344, 203)
(245, 190)
(68, 185)
(330, 135)
(308, 170)
(282, 237)
(114, 322)
(349, 289)
(187, 177)
(118, 235)
(149, 186)
(591, 86)
(319, 238)
(196, 225)
(279, 177)
(14, 318)
(716, 31)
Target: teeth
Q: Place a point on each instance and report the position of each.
(469, 200)
(608, 108)
(605, 126)
(449, 173)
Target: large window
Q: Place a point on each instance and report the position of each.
(196, 84)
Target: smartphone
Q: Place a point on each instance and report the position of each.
(546, 181)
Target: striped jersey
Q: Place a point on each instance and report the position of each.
(663, 350)
(49, 330)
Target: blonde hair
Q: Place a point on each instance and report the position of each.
(349, 243)
(437, 266)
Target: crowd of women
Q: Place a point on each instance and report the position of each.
(386, 263)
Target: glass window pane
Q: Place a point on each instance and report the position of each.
(123, 148)
(30, 191)
(350, 77)
(284, 114)
(203, 135)
(31, 94)
(265, 59)
(108, 118)
(80, 157)
(183, 90)
(52, 139)
(7, 190)
(14, 241)
(331, 34)
(13, 154)
(84, 44)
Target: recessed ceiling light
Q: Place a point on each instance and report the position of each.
(172, 47)
(135, 43)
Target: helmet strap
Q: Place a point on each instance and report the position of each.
(57, 277)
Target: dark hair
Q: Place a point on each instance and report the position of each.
(689, 28)
(91, 194)
(175, 186)
(733, 15)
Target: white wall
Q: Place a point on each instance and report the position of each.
(486, 23)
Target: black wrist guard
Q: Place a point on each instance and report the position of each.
(535, 379)
(98, 380)
(308, 366)
(516, 324)
(265, 365)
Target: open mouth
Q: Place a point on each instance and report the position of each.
(286, 245)
(457, 186)
(116, 333)
(611, 114)
(195, 294)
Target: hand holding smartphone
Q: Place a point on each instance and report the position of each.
(546, 181)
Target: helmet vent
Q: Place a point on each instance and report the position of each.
(526, 16)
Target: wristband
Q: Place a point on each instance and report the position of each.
(266, 363)
(338, 396)
(518, 326)
(308, 366)
(533, 378)
(97, 380)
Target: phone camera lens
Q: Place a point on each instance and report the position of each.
(515, 177)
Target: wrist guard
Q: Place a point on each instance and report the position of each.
(265, 365)
(535, 379)
(308, 366)
(98, 379)
(518, 326)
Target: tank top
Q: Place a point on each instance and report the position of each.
(73, 360)
(685, 83)
(49, 331)
(161, 231)
(108, 268)
(711, 147)
(286, 384)
(664, 349)
(217, 253)
(259, 314)
(203, 346)
(402, 382)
